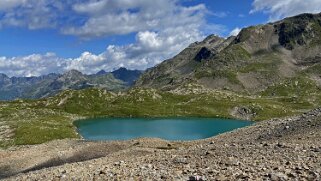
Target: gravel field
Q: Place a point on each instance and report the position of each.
(278, 149)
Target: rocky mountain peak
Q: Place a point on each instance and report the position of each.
(121, 70)
(73, 72)
(101, 72)
(128, 76)
(3, 76)
(212, 38)
(72, 75)
(257, 58)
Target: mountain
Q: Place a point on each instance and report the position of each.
(75, 80)
(128, 76)
(101, 72)
(275, 58)
(51, 84)
(18, 87)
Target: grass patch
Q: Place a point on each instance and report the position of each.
(152, 103)
(49, 119)
(43, 129)
(229, 75)
(293, 87)
(234, 52)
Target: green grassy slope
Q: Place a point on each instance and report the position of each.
(34, 122)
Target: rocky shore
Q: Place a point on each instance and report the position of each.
(278, 149)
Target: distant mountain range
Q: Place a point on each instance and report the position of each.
(273, 59)
(51, 84)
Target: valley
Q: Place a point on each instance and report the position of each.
(269, 74)
(39, 121)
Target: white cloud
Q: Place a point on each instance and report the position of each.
(162, 27)
(33, 14)
(149, 49)
(100, 18)
(8, 4)
(31, 65)
(235, 31)
(110, 17)
(278, 9)
(219, 14)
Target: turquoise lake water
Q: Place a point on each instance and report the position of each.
(168, 129)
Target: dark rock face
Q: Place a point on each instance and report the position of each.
(128, 76)
(102, 72)
(299, 30)
(291, 34)
(203, 54)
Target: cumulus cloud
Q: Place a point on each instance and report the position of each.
(96, 18)
(149, 49)
(32, 65)
(162, 29)
(33, 14)
(110, 17)
(279, 9)
(235, 31)
(8, 4)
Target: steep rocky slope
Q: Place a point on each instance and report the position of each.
(260, 58)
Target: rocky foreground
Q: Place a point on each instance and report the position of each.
(278, 149)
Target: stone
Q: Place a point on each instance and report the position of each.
(179, 160)
(209, 153)
(196, 178)
(101, 172)
(221, 178)
(278, 176)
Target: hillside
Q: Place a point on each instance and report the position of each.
(266, 59)
(25, 122)
(51, 84)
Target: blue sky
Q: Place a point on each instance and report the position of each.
(43, 36)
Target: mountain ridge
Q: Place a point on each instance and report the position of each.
(51, 84)
(257, 58)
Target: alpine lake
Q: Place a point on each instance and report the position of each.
(174, 129)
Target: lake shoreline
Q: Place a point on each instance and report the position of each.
(264, 150)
